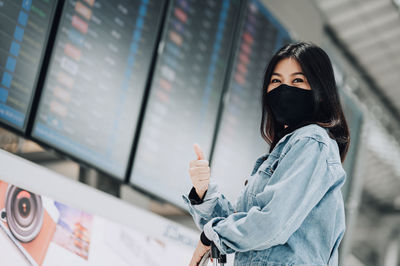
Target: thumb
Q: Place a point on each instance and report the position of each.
(198, 151)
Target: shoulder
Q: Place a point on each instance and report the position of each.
(307, 137)
(313, 132)
(317, 135)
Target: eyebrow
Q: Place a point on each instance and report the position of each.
(295, 73)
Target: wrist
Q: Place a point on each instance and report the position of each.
(204, 240)
(200, 193)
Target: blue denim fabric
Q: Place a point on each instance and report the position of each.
(291, 212)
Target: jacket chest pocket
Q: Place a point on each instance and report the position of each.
(262, 176)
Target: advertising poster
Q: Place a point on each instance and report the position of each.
(37, 230)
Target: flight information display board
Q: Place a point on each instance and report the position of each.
(185, 94)
(24, 28)
(239, 141)
(354, 118)
(98, 71)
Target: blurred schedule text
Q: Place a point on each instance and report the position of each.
(185, 94)
(98, 70)
(261, 34)
(24, 27)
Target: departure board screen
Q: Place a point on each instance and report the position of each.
(24, 27)
(354, 118)
(185, 94)
(98, 70)
(239, 141)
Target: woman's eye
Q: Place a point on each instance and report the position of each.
(275, 80)
(297, 80)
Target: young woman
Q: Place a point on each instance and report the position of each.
(291, 210)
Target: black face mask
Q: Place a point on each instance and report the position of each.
(291, 105)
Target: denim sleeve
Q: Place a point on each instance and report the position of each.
(214, 205)
(300, 180)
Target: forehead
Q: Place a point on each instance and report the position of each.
(287, 66)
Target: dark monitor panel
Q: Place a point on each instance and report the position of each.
(185, 93)
(239, 142)
(94, 88)
(354, 118)
(24, 27)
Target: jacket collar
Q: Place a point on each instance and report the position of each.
(264, 156)
(287, 132)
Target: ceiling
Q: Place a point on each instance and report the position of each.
(370, 30)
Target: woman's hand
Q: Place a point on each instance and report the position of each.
(199, 172)
(198, 253)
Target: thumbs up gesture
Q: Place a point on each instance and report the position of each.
(199, 172)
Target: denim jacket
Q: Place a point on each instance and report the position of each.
(291, 211)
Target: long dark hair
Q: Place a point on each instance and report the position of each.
(328, 112)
